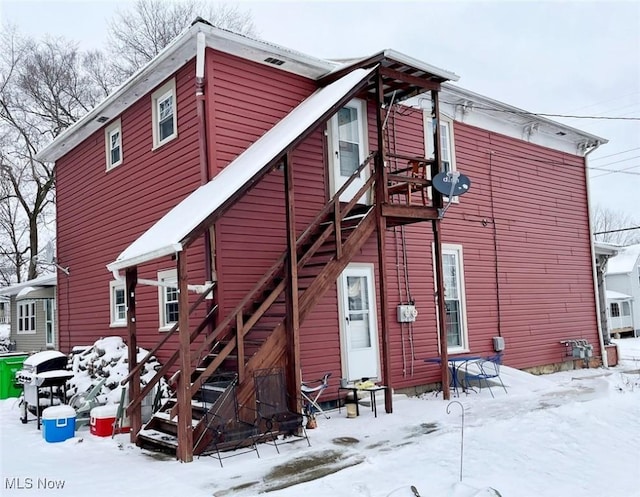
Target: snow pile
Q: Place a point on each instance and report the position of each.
(5, 332)
(107, 359)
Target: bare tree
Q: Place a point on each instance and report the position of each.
(607, 222)
(43, 90)
(139, 33)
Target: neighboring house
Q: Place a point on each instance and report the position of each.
(234, 160)
(5, 313)
(33, 314)
(623, 277)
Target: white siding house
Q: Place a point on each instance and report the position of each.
(623, 278)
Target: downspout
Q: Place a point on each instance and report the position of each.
(594, 269)
(202, 141)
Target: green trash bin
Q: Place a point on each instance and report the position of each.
(9, 364)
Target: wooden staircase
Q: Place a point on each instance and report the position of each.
(253, 336)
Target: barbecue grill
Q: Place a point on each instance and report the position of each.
(43, 377)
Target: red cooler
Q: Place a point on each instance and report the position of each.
(103, 419)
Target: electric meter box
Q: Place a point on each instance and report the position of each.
(407, 313)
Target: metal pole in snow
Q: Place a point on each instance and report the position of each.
(462, 432)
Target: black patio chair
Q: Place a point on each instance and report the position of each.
(226, 431)
(274, 416)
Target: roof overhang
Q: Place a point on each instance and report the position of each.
(476, 109)
(46, 280)
(191, 217)
(181, 50)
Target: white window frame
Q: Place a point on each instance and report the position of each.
(49, 322)
(446, 122)
(164, 277)
(157, 97)
(114, 127)
(456, 249)
(115, 321)
(26, 314)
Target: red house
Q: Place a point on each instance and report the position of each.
(258, 207)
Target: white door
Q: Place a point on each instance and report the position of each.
(359, 328)
(348, 149)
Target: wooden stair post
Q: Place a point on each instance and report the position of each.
(135, 417)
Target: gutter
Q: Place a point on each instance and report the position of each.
(594, 273)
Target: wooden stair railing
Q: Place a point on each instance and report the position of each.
(228, 331)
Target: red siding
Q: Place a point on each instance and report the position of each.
(523, 226)
(100, 213)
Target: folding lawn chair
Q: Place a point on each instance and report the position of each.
(311, 394)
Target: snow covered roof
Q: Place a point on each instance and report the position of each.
(167, 236)
(626, 260)
(613, 295)
(40, 281)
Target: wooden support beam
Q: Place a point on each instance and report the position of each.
(337, 216)
(436, 167)
(381, 223)
(408, 78)
(240, 340)
(292, 304)
(135, 417)
(409, 212)
(184, 395)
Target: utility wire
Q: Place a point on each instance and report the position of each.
(617, 153)
(617, 231)
(609, 171)
(544, 114)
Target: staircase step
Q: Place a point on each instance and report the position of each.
(159, 438)
(164, 417)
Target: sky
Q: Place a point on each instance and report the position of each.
(558, 435)
(570, 58)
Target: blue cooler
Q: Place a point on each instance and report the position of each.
(58, 423)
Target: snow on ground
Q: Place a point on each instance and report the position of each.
(5, 333)
(565, 434)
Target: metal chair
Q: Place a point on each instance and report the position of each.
(484, 370)
(274, 416)
(226, 431)
(310, 395)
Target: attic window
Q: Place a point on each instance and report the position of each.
(102, 119)
(274, 61)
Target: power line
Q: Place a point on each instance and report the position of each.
(617, 231)
(617, 153)
(618, 161)
(544, 114)
(608, 171)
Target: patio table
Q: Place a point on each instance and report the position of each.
(454, 363)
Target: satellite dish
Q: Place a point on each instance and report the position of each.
(49, 253)
(451, 184)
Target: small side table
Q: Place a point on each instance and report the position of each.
(372, 392)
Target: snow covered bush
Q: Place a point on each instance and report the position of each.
(107, 359)
(5, 331)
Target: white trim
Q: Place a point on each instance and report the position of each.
(363, 142)
(168, 275)
(114, 322)
(52, 342)
(449, 139)
(115, 126)
(369, 269)
(457, 249)
(165, 92)
(26, 319)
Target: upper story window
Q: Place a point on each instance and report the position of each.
(447, 146)
(168, 299)
(27, 317)
(118, 304)
(113, 144)
(164, 113)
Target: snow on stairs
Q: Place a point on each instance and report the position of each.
(161, 432)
